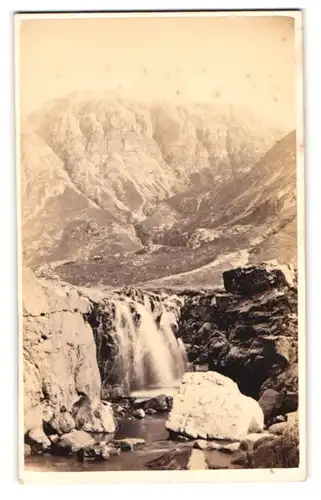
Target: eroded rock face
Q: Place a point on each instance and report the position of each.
(247, 332)
(62, 423)
(209, 405)
(60, 361)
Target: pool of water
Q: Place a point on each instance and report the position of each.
(151, 428)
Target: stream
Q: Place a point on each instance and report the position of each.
(151, 429)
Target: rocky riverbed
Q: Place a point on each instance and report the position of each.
(87, 350)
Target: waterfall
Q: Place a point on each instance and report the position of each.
(149, 353)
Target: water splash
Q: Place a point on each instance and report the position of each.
(149, 353)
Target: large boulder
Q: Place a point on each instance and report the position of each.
(251, 280)
(209, 405)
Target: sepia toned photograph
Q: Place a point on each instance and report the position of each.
(160, 193)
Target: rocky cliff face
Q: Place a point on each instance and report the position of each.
(92, 344)
(59, 358)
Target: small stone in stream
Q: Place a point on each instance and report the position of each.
(113, 451)
(27, 450)
(202, 444)
(72, 442)
(150, 411)
(280, 418)
(181, 438)
(229, 448)
(277, 428)
(175, 459)
(139, 413)
(255, 436)
(197, 460)
(54, 438)
(159, 403)
(213, 445)
(96, 452)
(129, 444)
(119, 410)
(239, 457)
(37, 440)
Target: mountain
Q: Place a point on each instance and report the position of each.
(121, 192)
(260, 199)
(246, 221)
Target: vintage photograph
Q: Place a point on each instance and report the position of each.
(161, 234)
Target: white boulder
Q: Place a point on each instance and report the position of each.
(209, 405)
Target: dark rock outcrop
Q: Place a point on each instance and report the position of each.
(248, 333)
(271, 403)
(249, 281)
(158, 404)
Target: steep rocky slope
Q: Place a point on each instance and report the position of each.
(93, 167)
(193, 237)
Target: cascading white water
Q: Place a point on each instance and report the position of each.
(150, 355)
